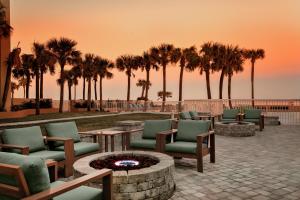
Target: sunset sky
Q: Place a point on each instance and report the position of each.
(110, 28)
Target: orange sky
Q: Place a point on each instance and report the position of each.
(110, 28)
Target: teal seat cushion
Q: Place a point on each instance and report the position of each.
(29, 136)
(251, 120)
(143, 144)
(34, 169)
(80, 193)
(185, 115)
(46, 154)
(252, 113)
(183, 147)
(152, 127)
(81, 148)
(189, 129)
(193, 114)
(63, 129)
(230, 113)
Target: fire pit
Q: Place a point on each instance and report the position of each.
(136, 174)
(235, 129)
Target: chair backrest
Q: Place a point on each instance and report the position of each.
(63, 129)
(230, 113)
(185, 115)
(193, 114)
(152, 127)
(189, 129)
(29, 136)
(252, 113)
(22, 175)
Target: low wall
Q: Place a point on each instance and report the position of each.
(24, 113)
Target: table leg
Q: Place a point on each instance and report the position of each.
(112, 143)
(106, 143)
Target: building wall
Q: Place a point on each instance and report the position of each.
(5, 49)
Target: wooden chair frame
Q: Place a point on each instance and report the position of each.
(200, 151)
(22, 191)
(260, 123)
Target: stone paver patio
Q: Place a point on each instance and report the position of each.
(265, 166)
(261, 167)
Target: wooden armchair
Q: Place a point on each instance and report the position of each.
(254, 116)
(30, 141)
(25, 177)
(192, 140)
(230, 115)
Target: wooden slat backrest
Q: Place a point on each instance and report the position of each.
(19, 191)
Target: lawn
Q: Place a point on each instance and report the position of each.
(97, 122)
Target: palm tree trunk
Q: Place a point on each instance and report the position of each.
(128, 88)
(12, 98)
(42, 85)
(229, 90)
(95, 89)
(147, 87)
(83, 95)
(100, 93)
(221, 84)
(74, 92)
(24, 91)
(6, 86)
(252, 83)
(37, 92)
(89, 94)
(61, 99)
(164, 87)
(27, 85)
(143, 91)
(180, 89)
(70, 92)
(208, 84)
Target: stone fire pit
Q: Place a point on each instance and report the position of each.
(154, 182)
(235, 129)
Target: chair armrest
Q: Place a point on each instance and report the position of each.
(90, 133)
(24, 149)
(161, 139)
(135, 130)
(57, 139)
(206, 134)
(106, 174)
(168, 132)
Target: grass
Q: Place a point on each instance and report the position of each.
(103, 122)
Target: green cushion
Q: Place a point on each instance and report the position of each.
(29, 136)
(183, 147)
(230, 113)
(252, 113)
(80, 193)
(81, 148)
(185, 115)
(151, 127)
(63, 129)
(143, 143)
(189, 129)
(251, 120)
(45, 154)
(34, 169)
(193, 114)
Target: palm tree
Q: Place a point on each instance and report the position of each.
(14, 86)
(88, 74)
(253, 55)
(143, 84)
(167, 94)
(235, 61)
(65, 52)
(77, 73)
(162, 56)
(148, 64)
(23, 82)
(102, 69)
(188, 60)
(128, 63)
(13, 60)
(27, 70)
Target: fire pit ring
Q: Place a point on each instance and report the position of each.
(154, 182)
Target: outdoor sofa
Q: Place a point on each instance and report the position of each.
(27, 178)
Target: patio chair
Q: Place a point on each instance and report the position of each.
(69, 130)
(192, 140)
(149, 135)
(230, 115)
(254, 116)
(27, 178)
(30, 141)
(185, 115)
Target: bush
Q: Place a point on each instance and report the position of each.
(83, 104)
(44, 103)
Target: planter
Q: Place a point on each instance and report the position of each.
(24, 113)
